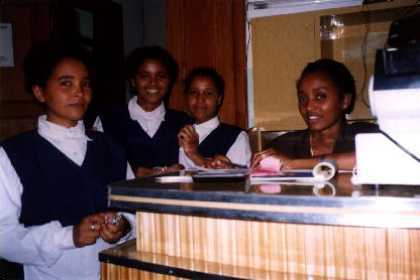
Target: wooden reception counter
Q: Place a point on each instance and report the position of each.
(236, 230)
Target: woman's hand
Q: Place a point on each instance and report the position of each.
(258, 157)
(114, 227)
(188, 140)
(286, 162)
(174, 168)
(219, 162)
(87, 231)
(144, 171)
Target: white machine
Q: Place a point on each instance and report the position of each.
(392, 156)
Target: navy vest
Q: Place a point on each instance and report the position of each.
(219, 141)
(141, 150)
(56, 188)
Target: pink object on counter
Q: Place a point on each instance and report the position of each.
(270, 188)
(270, 164)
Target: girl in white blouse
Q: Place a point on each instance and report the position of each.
(209, 142)
(53, 197)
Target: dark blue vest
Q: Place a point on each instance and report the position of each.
(141, 150)
(219, 141)
(54, 187)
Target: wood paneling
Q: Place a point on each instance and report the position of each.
(210, 33)
(30, 24)
(325, 251)
(113, 272)
(144, 265)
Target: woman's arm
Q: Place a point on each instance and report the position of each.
(342, 160)
(37, 245)
(188, 142)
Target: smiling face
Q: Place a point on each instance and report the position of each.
(203, 99)
(151, 84)
(67, 92)
(320, 102)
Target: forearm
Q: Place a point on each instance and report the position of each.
(344, 161)
(196, 158)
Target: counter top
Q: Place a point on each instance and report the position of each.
(337, 202)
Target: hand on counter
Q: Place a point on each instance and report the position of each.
(219, 161)
(285, 162)
(158, 170)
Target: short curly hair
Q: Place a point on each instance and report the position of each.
(207, 72)
(338, 73)
(139, 55)
(42, 58)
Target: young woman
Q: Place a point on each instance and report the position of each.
(53, 180)
(210, 143)
(326, 93)
(146, 127)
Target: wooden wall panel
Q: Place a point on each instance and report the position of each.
(343, 252)
(210, 33)
(30, 24)
(114, 272)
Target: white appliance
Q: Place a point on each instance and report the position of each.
(392, 157)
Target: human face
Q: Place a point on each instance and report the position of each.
(203, 99)
(151, 84)
(67, 93)
(319, 102)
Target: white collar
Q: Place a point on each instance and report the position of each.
(207, 126)
(54, 131)
(137, 113)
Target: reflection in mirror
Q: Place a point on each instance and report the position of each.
(270, 188)
(324, 189)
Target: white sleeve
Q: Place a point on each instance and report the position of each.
(36, 245)
(97, 125)
(186, 161)
(240, 152)
(130, 173)
(131, 219)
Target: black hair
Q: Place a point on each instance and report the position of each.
(42, 58)
(139, 55)
(338, 73)
(207, 72)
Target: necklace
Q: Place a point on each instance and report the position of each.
(323, 150)
(310, 146)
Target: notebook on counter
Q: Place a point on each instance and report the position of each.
(220, 175)
(262, 176)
